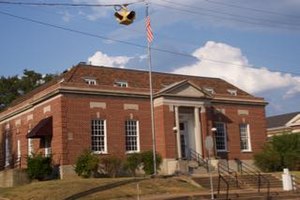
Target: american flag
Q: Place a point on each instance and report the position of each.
(149, 30)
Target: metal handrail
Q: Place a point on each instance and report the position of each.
(295, 183)
(247, 169)
(194, 155)
(227, 185)
(226, 170)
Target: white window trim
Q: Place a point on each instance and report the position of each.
(121, 84)
(210, 90)
(48, 150)
(105, 139)
(30, 147)
(225, 138)
(232, 92)
(137, 138)
(18, 150)
(248, 139)
(7, 149)
(90, 81)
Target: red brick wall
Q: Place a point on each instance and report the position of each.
(78, 123)
(165, 136)
(18, 131)
(255, 119)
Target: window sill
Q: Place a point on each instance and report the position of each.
(246, 151)
(131, 152)
(99, 152)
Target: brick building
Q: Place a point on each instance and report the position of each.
(284, 123)
(108, 110)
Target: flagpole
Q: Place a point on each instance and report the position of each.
(150, 87)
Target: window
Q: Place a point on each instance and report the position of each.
(220, 136)
(209, 90)
(18, 150)
(132, 136)
(245, 137)
(98, 139)
(121, 84)
(30, 147)
(7, 149)
(90, 81)
(232, 92)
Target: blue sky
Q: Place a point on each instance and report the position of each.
(254, 44)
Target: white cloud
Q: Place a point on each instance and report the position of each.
(101, 59)
(227, 62)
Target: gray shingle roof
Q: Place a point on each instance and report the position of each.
(280, 120)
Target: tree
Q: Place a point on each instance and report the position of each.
(282, 151)
(13, 86)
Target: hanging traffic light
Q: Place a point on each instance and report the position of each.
(123, 15)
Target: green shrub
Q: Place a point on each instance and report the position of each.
(147, 160)
(86, 164)
(282, 151)
(39, 167)
(112, 165)
(133, 161)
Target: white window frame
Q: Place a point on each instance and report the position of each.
(18, 150)
(96, 133)
(232, 92)
(245, 137)
(132, 128)
(48, 150)
(30, 148)
(90, 81)
(210, 90)
(121, 84)
(218, 135)
(7, 149)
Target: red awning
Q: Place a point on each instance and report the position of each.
(42, 129)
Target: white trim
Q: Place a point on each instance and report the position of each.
(249, 149)
(30, 109)
(105, 138)
(175, 102)
(294, 121)
(18, 150)
(137, 138)
(30, 149)
(225, 137)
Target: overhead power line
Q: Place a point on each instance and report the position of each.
(64, 4)
(251, 9)
(232, 17)
(215, 11)
(129, 43)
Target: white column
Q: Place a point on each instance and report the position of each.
(198, 138)
(177, 132)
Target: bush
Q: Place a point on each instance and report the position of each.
(86, 164)
(112, 165)
(133, 161)
(39, 167)
(147, 160)
(281, 152)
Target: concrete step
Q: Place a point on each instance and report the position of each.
(241, 196)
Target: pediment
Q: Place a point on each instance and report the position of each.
(294, 121)
(184, 89)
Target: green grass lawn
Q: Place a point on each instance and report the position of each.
(61, 189)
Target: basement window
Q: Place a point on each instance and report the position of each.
(121, 84)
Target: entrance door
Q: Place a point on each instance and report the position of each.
(183, 139)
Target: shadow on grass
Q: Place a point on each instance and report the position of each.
(101, 188)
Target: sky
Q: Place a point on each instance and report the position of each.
(254, 45)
